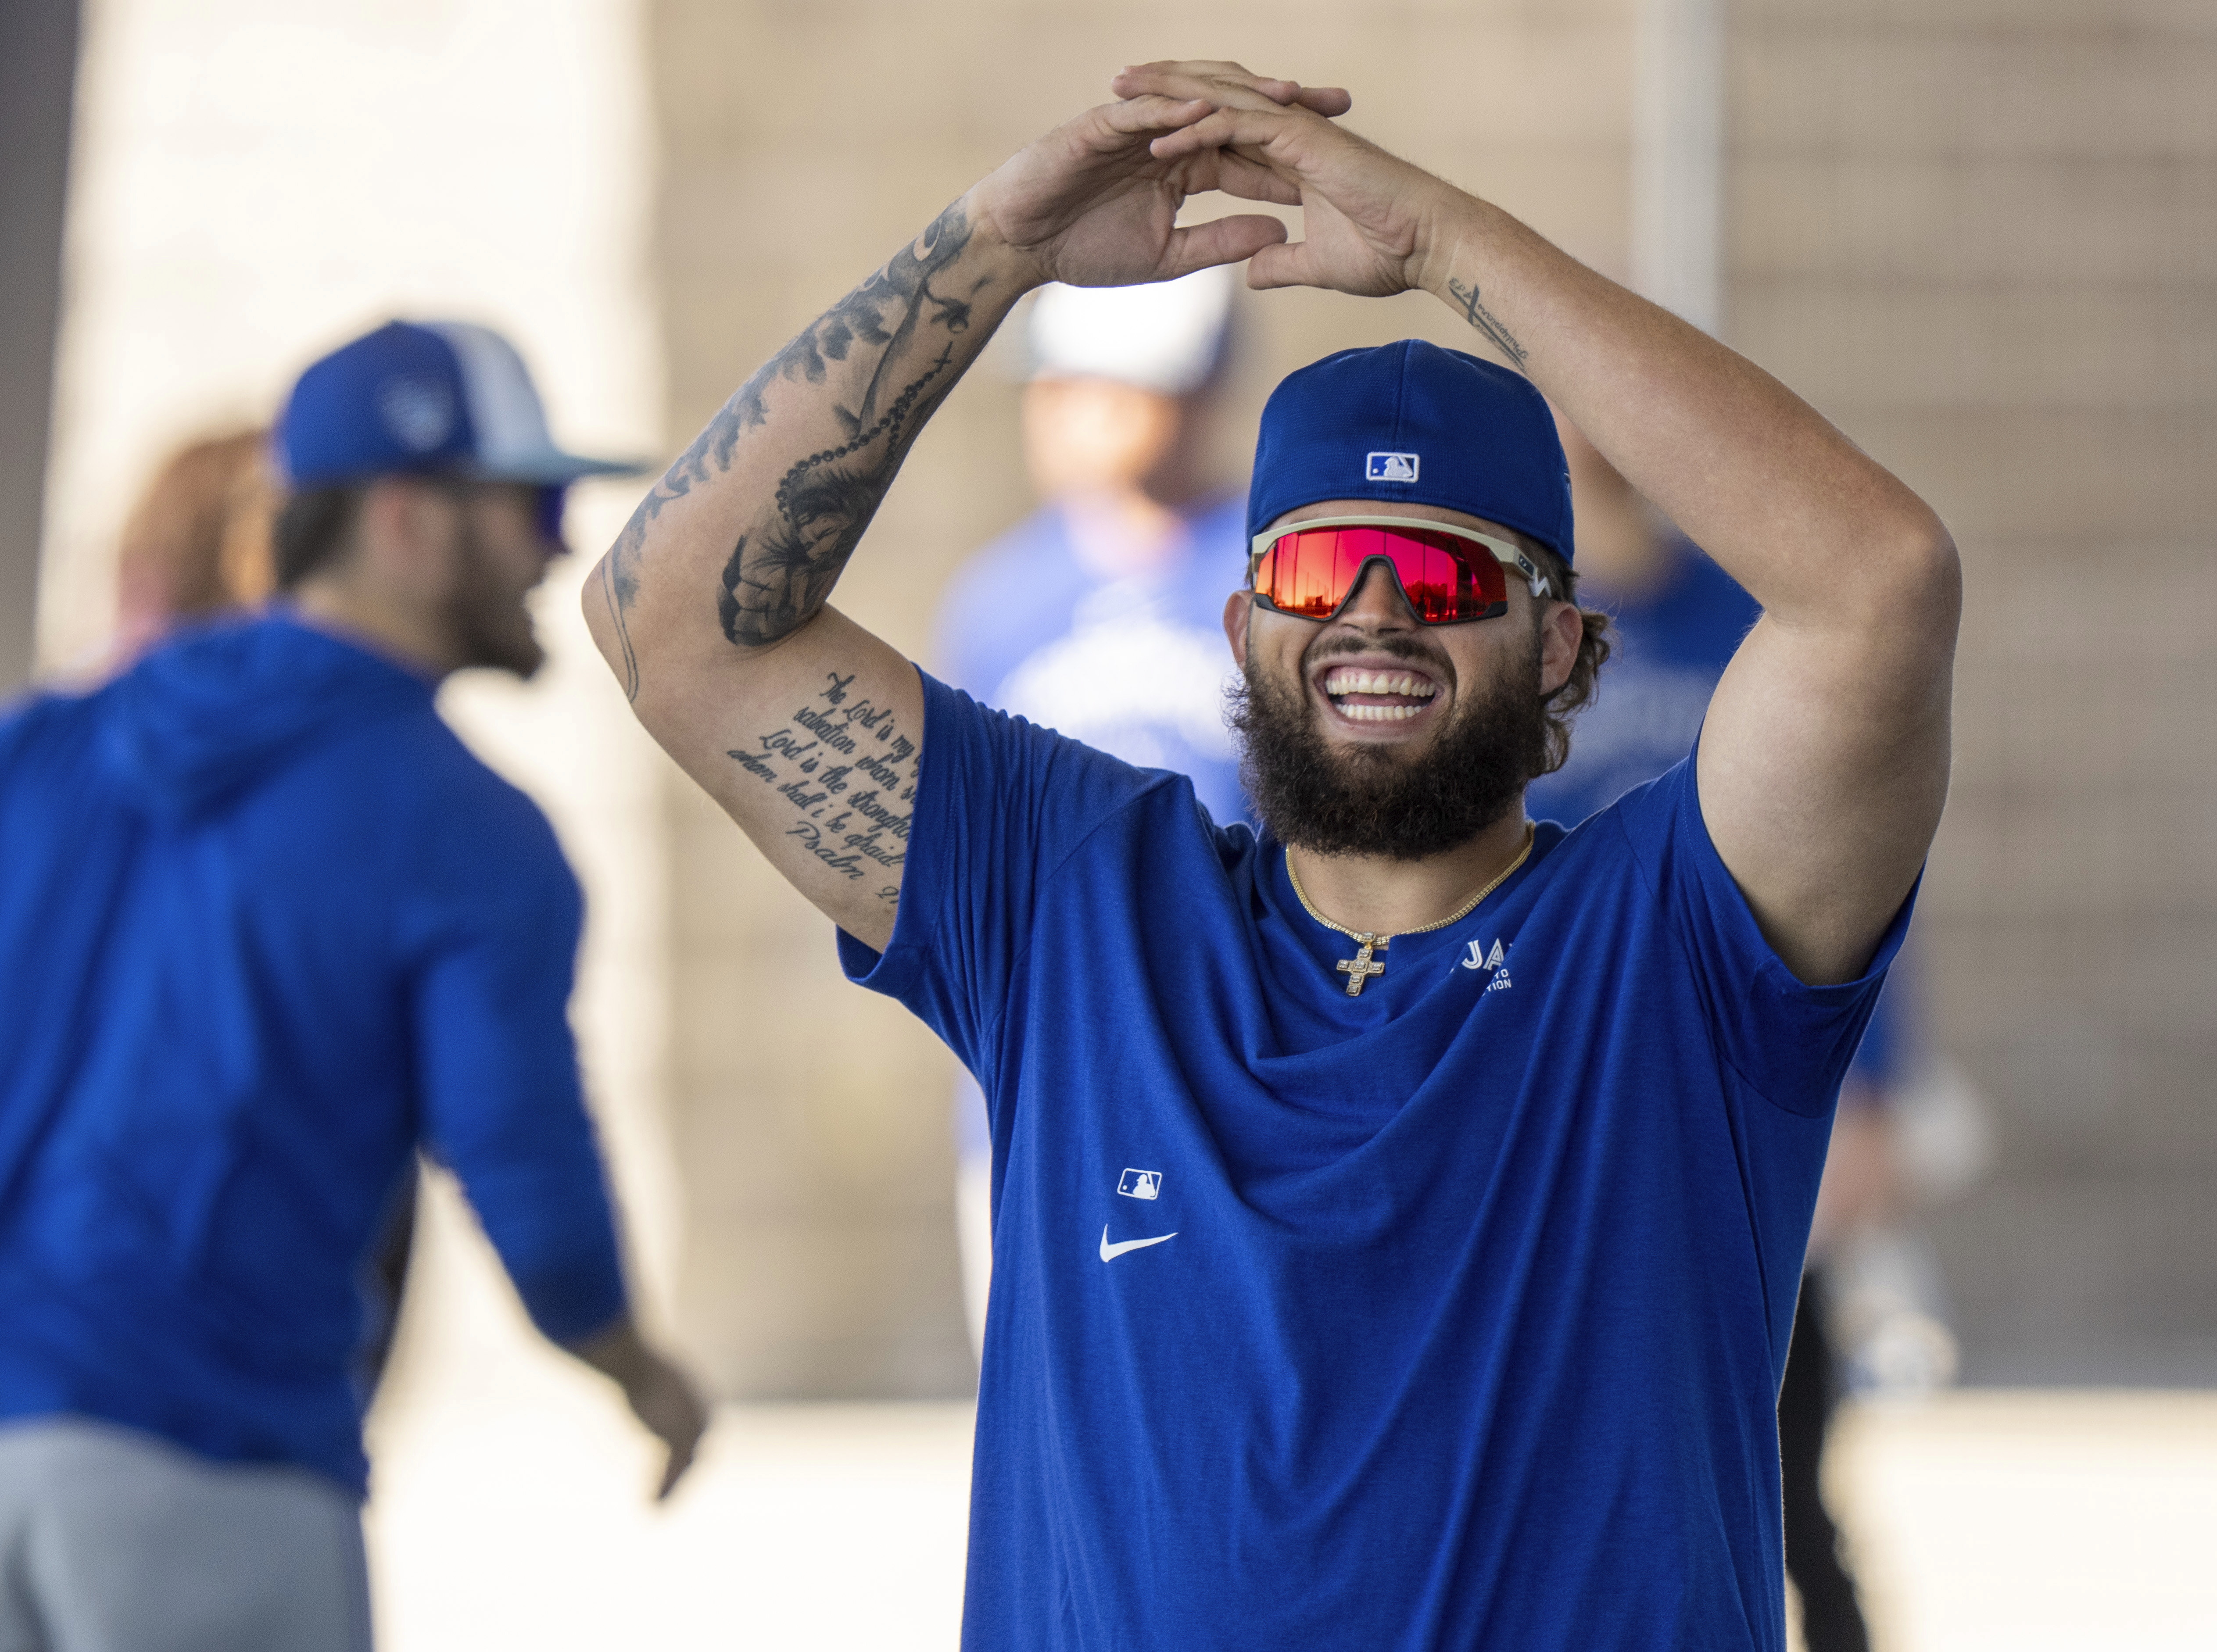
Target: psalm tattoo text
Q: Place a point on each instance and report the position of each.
(1484, 320)
(849, 775)
(900, 331)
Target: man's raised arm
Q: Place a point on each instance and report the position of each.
(711, 607)
(1823, 761)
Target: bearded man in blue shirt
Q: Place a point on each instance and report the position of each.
(1397, 1214)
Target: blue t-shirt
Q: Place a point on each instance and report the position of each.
(1134, 666)
(1451, 1315)
(1671, 646)
(266, 925)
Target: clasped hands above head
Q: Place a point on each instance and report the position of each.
(1095, 203)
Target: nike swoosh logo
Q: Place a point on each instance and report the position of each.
(1109, 1253)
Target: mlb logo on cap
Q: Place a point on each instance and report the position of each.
(1416, 425)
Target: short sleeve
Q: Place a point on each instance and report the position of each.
(1789, 1041)
(1000, 804)
(497, 1070)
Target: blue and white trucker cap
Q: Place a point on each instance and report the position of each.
(438, 398)
(1412, 421)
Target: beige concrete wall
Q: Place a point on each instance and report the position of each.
(801, 146)
(1982, 236)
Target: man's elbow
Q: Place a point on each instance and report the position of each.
(1937, 572)
(605, 624)
(1913, 572)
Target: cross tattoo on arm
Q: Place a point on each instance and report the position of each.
(1360, 968)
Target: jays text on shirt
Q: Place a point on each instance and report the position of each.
(1451, 1315)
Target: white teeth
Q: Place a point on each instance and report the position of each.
(1380, 713)
(1378, 682)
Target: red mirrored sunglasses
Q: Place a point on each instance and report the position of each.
(1449, 575)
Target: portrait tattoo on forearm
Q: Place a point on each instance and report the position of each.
(848, 773)
(895, 337)
(1484, 320)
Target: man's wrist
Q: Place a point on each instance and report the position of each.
(1015, 270)
(1468, 239)
(1453, 227)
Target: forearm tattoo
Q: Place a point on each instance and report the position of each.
(847, 772)
(1484, 320)
(889, 347)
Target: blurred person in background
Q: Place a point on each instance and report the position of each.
(1380, 1300)
(1100, 615)
(196, 545)
(266, 925)
(1676, 619)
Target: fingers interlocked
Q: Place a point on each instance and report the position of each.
(1228, 85)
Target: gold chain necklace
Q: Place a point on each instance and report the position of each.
(1361, 967)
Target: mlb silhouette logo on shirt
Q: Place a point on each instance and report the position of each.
(1390, 467)
(1140, 1184)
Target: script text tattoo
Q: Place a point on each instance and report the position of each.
(848, 773)
(1484, 320)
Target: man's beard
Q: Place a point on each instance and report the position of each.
(1379, 800)
(492, 626)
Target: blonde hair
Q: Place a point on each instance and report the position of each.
(197, 543)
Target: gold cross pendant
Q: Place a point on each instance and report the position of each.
(1359, 968)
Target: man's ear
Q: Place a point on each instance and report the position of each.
(1561, 630)
(1238, 609)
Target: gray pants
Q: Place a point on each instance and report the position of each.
(115, 1541)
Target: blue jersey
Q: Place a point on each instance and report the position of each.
(1134, 666)
(1451, 1315)
(265, 926)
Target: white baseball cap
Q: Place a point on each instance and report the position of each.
(1167, 337)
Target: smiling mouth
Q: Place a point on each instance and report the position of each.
(1363, 696)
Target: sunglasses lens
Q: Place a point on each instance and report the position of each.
(1300, 574)
(1311, 573)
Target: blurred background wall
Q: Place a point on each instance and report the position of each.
(1979, 234)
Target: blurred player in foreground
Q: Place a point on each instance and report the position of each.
(265, 925)
(1101, 616)
(1398, 1217)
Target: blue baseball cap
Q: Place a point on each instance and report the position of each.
(1411, 421)
(441, 398)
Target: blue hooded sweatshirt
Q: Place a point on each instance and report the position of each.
(267, 927)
